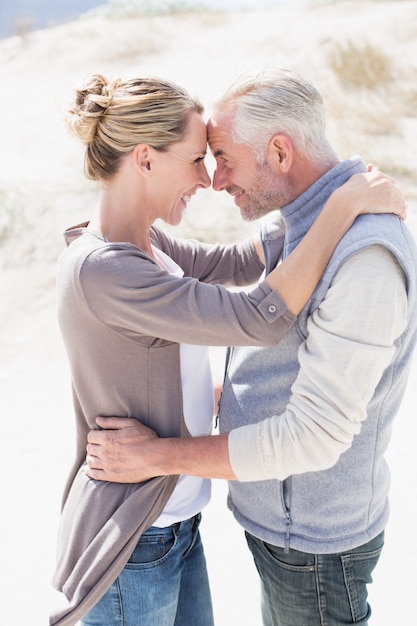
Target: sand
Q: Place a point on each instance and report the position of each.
(42, 191)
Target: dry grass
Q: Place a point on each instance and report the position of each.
(146, 40)
(409, 95)
(135, 8)
(371, 100)
(361, 65)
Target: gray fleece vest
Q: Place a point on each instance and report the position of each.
(347, 505)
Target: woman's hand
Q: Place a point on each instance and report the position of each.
(298, 275)
(372, 192)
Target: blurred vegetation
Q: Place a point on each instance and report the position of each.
(132, 8)
(368, 81)
(361, 64)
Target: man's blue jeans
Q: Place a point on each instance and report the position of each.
(165, 582)
(301, 589)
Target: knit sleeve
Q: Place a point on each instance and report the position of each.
(134, 297)
(234, 264)
(351, 340)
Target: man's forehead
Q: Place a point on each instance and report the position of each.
(219, 129)
(221, 120)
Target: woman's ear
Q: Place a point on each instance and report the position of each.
(142, 157)
(280, 153)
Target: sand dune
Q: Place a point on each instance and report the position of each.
(362, 55)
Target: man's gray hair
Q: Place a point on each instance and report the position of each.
(278, 102)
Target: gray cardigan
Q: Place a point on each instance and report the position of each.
(122, 319)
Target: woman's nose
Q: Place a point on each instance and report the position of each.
(204, 179)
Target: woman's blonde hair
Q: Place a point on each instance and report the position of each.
(112, 116)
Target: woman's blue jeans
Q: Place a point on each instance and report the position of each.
(301, 589)
(165, 582)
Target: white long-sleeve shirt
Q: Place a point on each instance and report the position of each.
(341, 362)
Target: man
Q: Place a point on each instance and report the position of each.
(304, 425)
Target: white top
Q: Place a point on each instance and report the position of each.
(191, 493)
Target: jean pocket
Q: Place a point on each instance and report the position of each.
(357, 571)
(292, 560)
(151, 549)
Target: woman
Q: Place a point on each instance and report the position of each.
(134, 306)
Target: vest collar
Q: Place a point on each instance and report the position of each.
(300, 214)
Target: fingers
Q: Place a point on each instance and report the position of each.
(94, 469)
(95, 473)
(381, 177)
(93, 450)
(403, 211)
(98, 465)
(378, 174)
(375, 174)
(97, 437)
(392, 194)
(93, 462)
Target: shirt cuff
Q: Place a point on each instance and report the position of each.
(246, 454)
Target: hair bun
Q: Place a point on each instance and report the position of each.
(92, 101)
(104, 95)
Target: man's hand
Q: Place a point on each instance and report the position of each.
(121, 452)
(126, 451)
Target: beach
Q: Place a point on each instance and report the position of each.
(363, 58)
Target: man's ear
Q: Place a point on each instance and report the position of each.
(280, 153)
(142, 158)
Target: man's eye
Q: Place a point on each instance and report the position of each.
(199, 160)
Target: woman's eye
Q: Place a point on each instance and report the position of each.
(199, 160)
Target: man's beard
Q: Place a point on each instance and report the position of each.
(269, 193)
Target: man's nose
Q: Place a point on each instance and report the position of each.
(219, 179)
